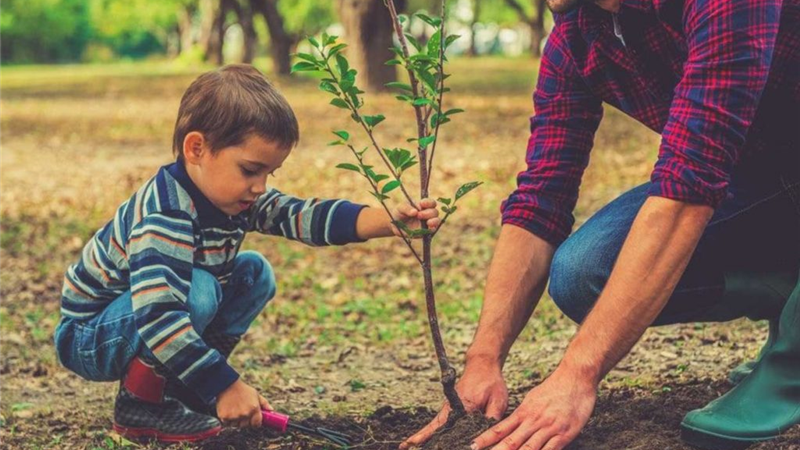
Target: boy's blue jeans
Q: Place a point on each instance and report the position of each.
(755, 231)
(101, 348)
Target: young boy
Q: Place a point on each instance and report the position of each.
(161, 294)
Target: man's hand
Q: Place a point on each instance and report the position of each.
(481, 388)
(240, 406)
(549, 418)
(413, 217)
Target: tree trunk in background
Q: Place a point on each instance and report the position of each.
(244, 16)
(368, 33)
(281, 42)
(476, 12)
(537, 28)
(185, 28)
(212, 30)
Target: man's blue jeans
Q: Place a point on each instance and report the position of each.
(101, 348)
(755, 231)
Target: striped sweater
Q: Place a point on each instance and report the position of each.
(166, 229)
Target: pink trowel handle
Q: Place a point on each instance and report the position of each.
(274, 420)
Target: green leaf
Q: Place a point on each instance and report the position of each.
(392, 62)
(450, 209)
(398, 85)
(357, 385)
(304, 66)
(380, 197)
(373, 120)
(412, 40)
(336, 49)
(339, 103)
(434, 43)
(422, 101)
(445, 201)
(453, 111)
(342, 134)
(466, 188)
(450, 39)
(332, 143)
(408, 164)
(348, 80)
(347, 166)
(402, 18)
(419, 232)
(330, 40)
(307, 57)
(432, 21)
(328, 87)
(313, 41)
(404, 98)
(342, 64)
(390, 186)
(427, 140)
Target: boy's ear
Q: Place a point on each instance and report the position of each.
(194, 145)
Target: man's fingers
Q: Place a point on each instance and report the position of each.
(557, 443)
(517, 438)
(496, 408)
(425, 433)
(264, 403)
(497, 433)
(434, 223)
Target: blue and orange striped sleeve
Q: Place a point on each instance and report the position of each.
(312, 221)
(161, 254)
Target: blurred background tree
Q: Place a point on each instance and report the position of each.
(224, 31)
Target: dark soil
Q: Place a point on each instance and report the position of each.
(630, 419)
(459, 435)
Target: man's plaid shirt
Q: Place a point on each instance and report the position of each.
(718, 79)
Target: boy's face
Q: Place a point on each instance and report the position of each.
(233, 177)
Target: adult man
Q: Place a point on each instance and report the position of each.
(714, 235)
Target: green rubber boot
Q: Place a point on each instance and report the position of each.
(765, 404)
(744, 369)
(757, 296)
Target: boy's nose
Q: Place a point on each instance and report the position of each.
(259, 188)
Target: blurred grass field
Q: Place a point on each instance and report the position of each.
(347, 330)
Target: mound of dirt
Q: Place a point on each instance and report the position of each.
(623, 419)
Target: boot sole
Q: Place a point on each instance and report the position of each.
(712, 441)
(153, 434)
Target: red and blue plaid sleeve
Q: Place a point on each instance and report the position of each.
(566, 116)
(730, 46)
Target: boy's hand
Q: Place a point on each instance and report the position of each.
(413, 217)
(240, 406)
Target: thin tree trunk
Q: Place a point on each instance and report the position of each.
(281, 42)
(368, 31)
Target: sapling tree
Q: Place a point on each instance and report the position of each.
(424, 92)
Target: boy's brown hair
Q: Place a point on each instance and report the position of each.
(231, 103)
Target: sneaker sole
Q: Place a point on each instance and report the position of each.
(713, 441)
(153, 434)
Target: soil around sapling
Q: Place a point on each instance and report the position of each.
(626, 418)
(460, 434)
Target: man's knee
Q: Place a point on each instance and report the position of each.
(577, 275)
(204, 298)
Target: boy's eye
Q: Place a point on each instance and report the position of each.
(249, 173)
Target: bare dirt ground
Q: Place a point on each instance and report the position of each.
(345, 341)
